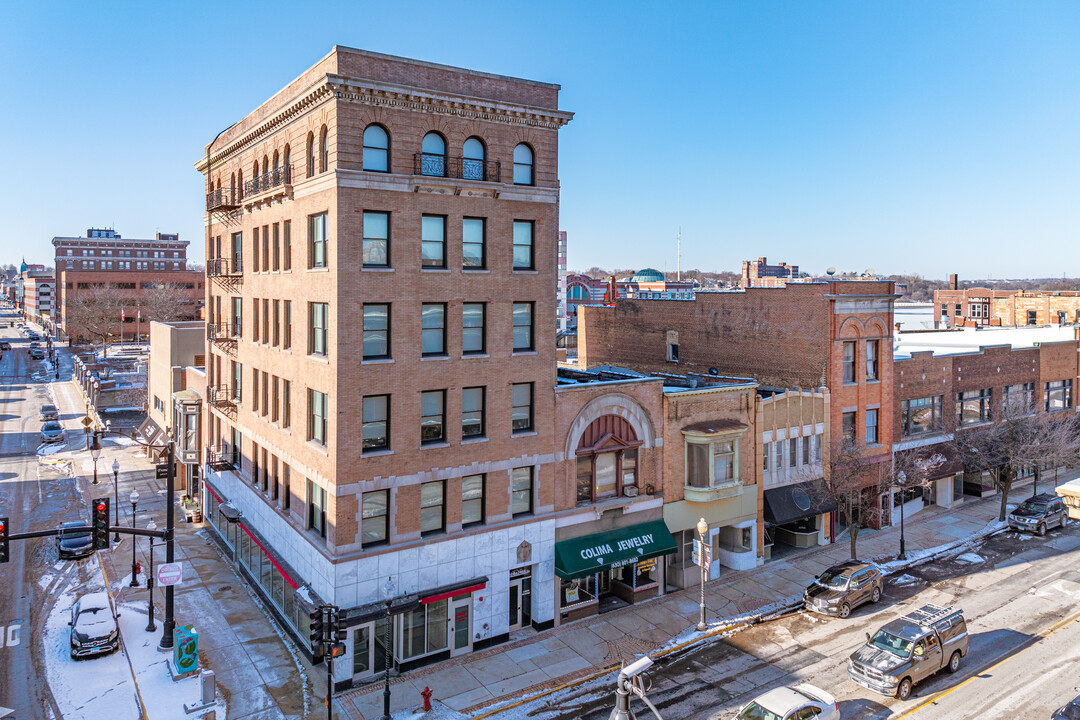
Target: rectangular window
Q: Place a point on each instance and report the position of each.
(275, 405)
(317, 317)
(521, 483)
(871, 360)
(433, 329)
(523, 245)
(266, 248)
(317, 508)
(473, 244)
(237, 374)
(376, 428)
(255, 249)
(266, 320)
(432, 416)
(849, 427)
(286, 485)
(287, 322)
(376, 239)
(849, 361)
(254, 390)
(1059, 395)
(432, 507)
(286, 259)
(523, 327)
(277, 323)
(956, 310)
(973, 406)
(286, 403)
(473, 335)
(806, 450)
(317, 241)
(317, 402)
(522, 413)
(1019, 399)
(922, 415)
(472, 500)
(277, 247)
(944, 309)
(376, 331)
(793, 452)
(472, 412)
(433, 241)
(871, 426)
(255, 320)
(374, 518)
(265, 394)
(765, 449)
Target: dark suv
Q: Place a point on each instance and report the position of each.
(93, 626)
(1039, 513)
(844, 587)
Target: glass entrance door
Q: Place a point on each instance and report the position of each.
(461, 625)
(520, 602)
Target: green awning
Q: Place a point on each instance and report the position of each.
(585, 555)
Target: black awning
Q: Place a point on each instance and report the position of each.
(795, 502)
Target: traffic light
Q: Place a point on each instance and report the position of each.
(337, 634)
(101, 524)
(317, 635)
(4, 554)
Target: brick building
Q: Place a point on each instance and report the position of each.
(646, 284)
(382, 244)
(759, 273)
(980, 306)
(36, 294)
(105, 249)
(834, 334)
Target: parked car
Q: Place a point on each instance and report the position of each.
(844, 587)
(37, 353)
(52, 432)
(5, 345)
(910, 649)
(93, 626)
(802, 702)
(49, 412)
(1068, 711)
(74, 540)
(1039, 513)
(33, 335)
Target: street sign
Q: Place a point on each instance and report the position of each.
(87, 422)
(169, 574)
(162, 471)
(705, 561)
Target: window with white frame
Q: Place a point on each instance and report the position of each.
(711, 461)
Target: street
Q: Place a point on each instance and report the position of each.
(1014, 590)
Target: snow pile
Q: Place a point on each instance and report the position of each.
(970, 558)
(905, 579)
(51, 448)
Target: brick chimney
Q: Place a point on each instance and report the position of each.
(954, 283)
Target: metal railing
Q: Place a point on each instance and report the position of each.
(456, 167)
(222, 457)
(220, 332)
(221, 396)
(224, 267)
(268, 181)
(222, 199)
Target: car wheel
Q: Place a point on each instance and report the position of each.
(875, 594)
(1041, 530)
(904, 691)
(954, 662)
(845, 610)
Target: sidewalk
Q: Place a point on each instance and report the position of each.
(257, 674)
(543, 661)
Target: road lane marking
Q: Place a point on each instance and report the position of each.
(1006, 656)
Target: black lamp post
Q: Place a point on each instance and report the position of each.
(901, 478)
(116, 485)
(95, 452)
(134, 570)
(388, 597)
(150, 626)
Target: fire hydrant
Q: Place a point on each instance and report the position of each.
(426, 694)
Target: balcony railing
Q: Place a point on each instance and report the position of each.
(455, 167)
(224, 267)
(222, 457)
(221, 396)
(222, 199)
(221, 332)
(268, 181)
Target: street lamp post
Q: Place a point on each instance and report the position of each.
(702, 528)
(388, 597)
(901, 478)
(95, 452)
(150, 626)
(134, 571)
(116, 485)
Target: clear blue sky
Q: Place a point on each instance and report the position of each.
(927, 137)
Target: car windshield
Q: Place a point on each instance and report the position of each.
(1030, 506)
(1071, 711)
(51, 425)
(48, 408)
(892, 643)
(78, 532)
(832, 580)
(753, 711)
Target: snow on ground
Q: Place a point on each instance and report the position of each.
(118, 440)
(51, 448)
(969, 558)
(905, 579)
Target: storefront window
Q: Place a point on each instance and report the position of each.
(641, 575)
(578, 590)
(423, 630)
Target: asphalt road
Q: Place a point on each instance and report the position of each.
(1014, 591)
(34, 495)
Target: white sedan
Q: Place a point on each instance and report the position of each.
(802, 702)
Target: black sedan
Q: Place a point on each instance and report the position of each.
(74, 540)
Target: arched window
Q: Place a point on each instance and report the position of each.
(311, 154)
(265, 165)
(324, 150)
(433, 161)
(577, 292)
(523, 165)
(240, 183)
(472, 159)
(376, 149)
(277, 166)
(607, 459)
(287, 165)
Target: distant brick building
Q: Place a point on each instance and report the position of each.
(36, 294)
(646, 284)
(975, 306)
(759, 273)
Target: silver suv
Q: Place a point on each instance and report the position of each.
(1038, 514)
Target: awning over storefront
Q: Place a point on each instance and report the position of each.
(581, 556)
(795, 502)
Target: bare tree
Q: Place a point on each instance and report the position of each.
(96, 311)
(850, 481)
(165, 302)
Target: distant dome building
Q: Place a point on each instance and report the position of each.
(647, 275)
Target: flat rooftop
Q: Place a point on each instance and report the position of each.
(969, 340)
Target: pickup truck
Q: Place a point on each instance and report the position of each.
(910, 649)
